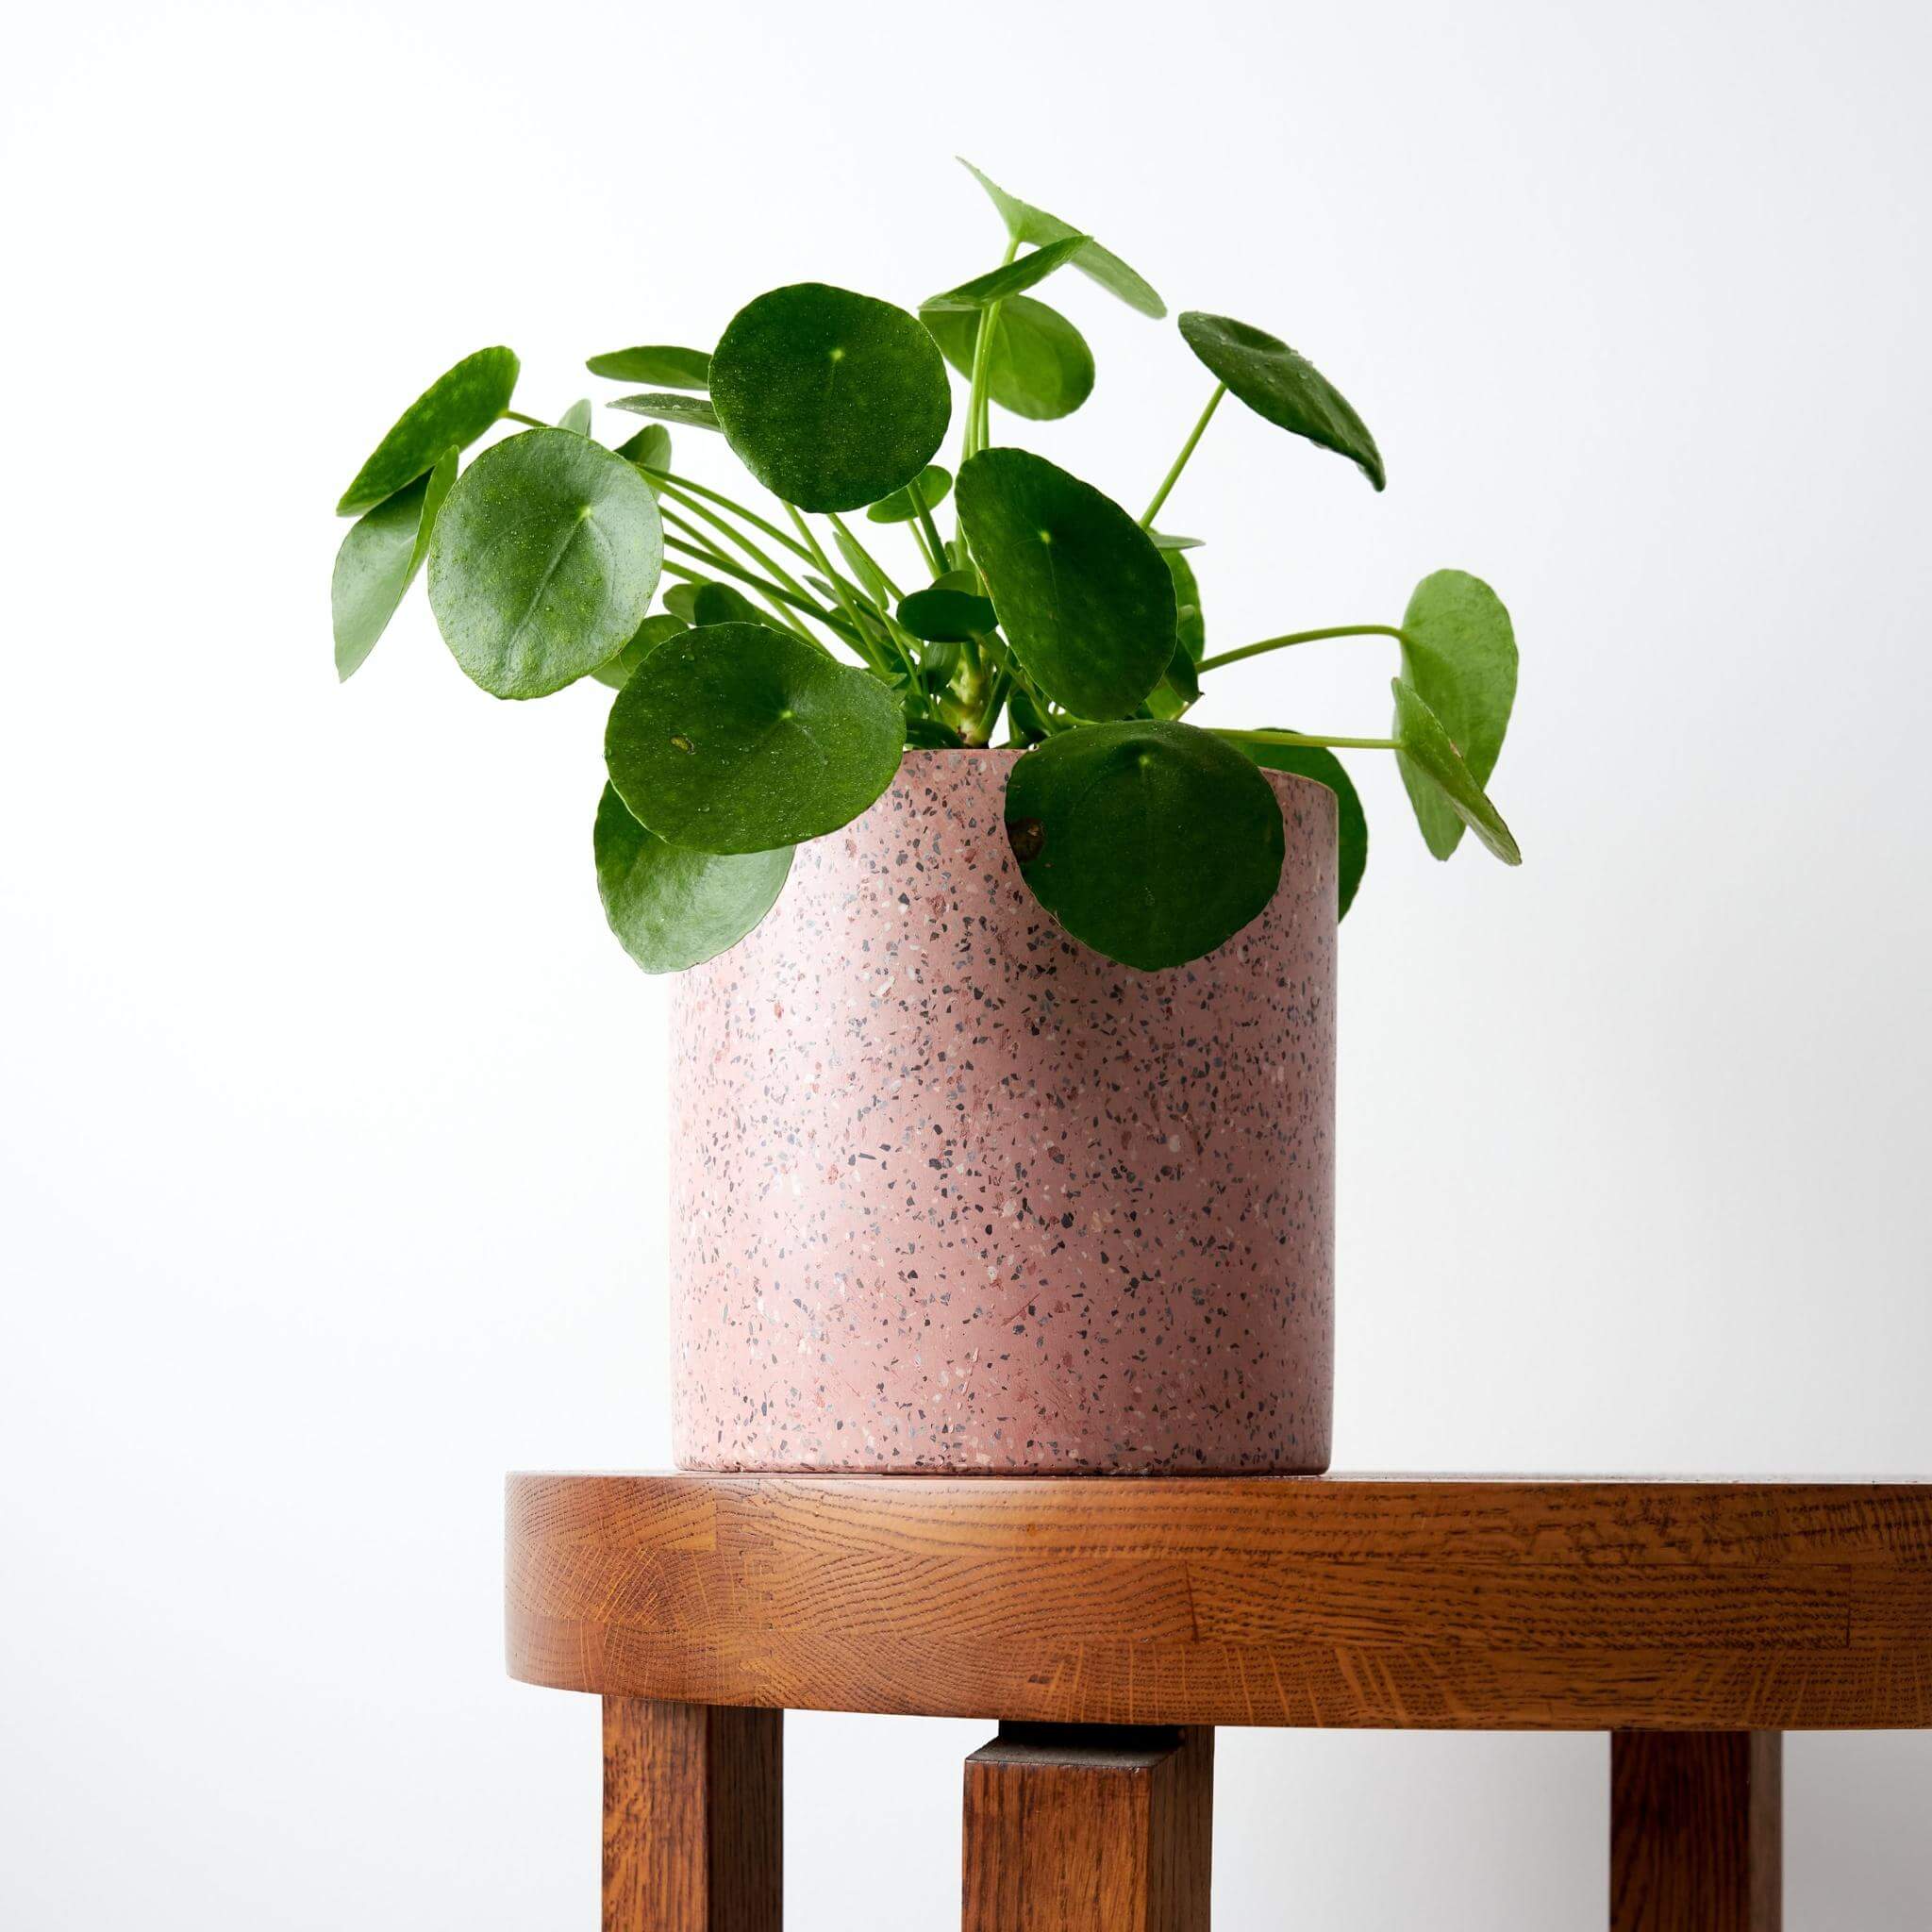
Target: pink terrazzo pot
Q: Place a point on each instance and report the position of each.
(951, 1192)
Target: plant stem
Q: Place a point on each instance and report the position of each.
(938, 559)
(837, 523)
(518, 416)
(715, 559)
(1299, 636)
(709, 551)
(838, 589)
(737, 536)
(717, 496)
(1180, 462)
(1307, 738)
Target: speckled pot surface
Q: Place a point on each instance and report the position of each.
(951, 1192)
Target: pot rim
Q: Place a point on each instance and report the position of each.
(1010, 754)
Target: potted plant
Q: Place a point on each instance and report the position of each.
(1003, 1076)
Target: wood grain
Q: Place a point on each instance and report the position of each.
(693, 1818)
(1086, 1828)
(1399, 1602)
(1696, 1832)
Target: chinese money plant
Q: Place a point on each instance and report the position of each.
(771, 666)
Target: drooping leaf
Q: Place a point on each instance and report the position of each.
(1152, 842)
(1010, 278)
(1181, 684)
(694, 412)
(379, 561)
(662, 368)
(671, 907)
(1083, 596)
(1025, 222)
(616, 672)
(1039, 365)
(831, 399)
(650, 448)
(544, 561)
(451, 413)
(577, 417)
(1427, 747)
(739, 738)
(1283, 387)
(1162, 540)
(1458, 650)
(1318, 762)
(933, 485)
(942, 613)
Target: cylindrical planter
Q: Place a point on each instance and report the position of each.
(951, 1192)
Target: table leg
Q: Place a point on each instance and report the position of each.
(1089, 1828)
(1696, 1825)
(693, 1818)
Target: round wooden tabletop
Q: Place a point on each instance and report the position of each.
(1455, 1602)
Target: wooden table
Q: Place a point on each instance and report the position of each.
(1109, 1625)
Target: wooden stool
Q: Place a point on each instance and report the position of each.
(1109, 1624)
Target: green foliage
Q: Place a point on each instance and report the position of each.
(1154, 843)
(1083, 596)
(694, 412)
(615, 672)
(451, 413)
(543, 563)
(791, 658)
(672, 906)
(1039, 366)
(1009, 279)
(379, 561)
(661, 368)
(1351, 822)
(1430, 752)
(1458, 654)
(1285, 387)
(831, 400)
(738, 738)
(931, 487)
(1029, 225)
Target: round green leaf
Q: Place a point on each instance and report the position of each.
(708, 602)
(1154, 843)
(832, 400)
(941, 614)
(1428, 749)
(1181, 684)
(1025, 222)
(379, 561)
(544, 561)
(1285, 387)
(577, 417)
(1318, 762)
(662, 368)
(1010, 278)
(739, 738)
(1039, 365)
(933, 485)
(1458, 653)
(650, 448)
(694, 412)
(451, 413)
(1083, 596)
(616, 672)
(673, 908)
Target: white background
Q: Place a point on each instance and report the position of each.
(331, 1122)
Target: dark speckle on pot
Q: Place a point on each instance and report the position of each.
(951, 1192)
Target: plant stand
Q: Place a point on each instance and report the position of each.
(1109, 1624)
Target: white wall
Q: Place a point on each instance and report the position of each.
(331, 1121)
